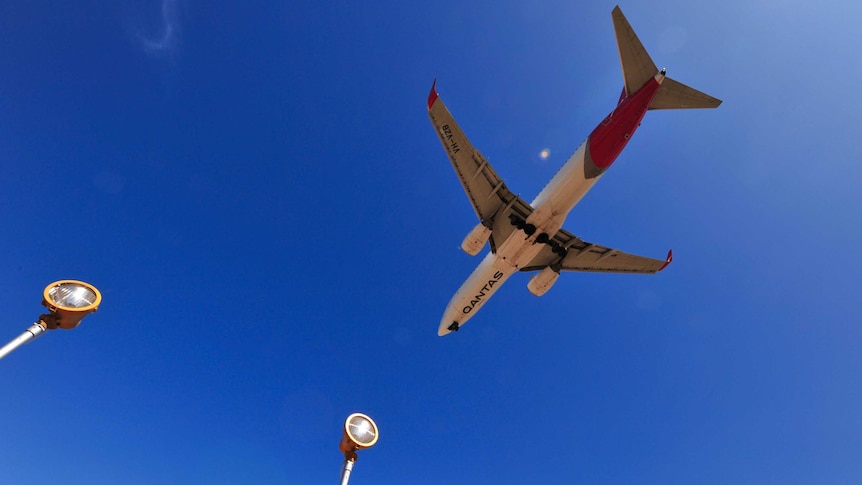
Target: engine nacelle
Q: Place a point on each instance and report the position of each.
(475, 241)
(543, 281)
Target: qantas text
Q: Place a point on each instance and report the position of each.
(479, 297)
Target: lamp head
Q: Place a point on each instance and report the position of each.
(69, 301)
(360, 432)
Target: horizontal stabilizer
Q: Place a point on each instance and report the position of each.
(676, 95)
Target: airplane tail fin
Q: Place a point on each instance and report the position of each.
(638, 68)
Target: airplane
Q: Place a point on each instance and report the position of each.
(529, 237)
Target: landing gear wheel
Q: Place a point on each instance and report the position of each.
(454, 327)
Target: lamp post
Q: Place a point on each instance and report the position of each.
(68, 302)
(360, 432)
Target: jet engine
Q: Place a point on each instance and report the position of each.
(543, 281)
(475, 241)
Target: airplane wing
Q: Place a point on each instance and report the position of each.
(491, 199)
(567, 252)
(495, 204)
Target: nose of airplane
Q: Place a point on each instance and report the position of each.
(447, 325)
(451, 321)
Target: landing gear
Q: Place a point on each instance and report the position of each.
(557, 249)
(521, 224)
(542, 238)
(454, 327)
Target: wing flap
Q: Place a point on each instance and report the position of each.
(579, 255)
(596, 258)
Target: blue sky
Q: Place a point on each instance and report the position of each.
(259, 195)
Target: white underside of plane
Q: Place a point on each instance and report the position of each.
(551, 207)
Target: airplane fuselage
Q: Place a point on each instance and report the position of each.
(551, 207)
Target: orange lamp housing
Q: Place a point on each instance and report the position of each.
(360, 432)
(69, 301)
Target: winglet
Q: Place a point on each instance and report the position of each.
(667, 261)
(432, 96)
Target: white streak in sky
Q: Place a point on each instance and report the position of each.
(166, 39)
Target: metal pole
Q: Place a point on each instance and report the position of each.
(345, 471)
(31, 333)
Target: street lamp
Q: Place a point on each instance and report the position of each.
(68, 302)
(360, 432)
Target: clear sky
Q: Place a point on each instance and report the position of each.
(257, 191)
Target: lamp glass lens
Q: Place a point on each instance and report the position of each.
(361, 430)
(72, 296)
